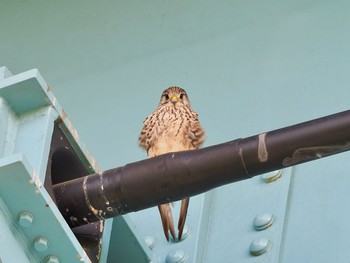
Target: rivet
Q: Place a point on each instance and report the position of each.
(186, 232)
(41, 244)
(25, 219)
(263, 221)
(176, 256)
(51, 259)
(259, 246)
(272, 176)
(150, 241)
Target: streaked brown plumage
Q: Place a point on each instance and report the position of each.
(172, 127)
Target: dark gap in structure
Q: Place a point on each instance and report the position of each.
(64, 165)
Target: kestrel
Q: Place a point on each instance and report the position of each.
(172, 127)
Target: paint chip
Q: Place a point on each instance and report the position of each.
(263, 155)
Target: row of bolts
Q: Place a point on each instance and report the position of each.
(257, 247)
(40, 244)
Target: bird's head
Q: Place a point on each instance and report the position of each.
(174, 96)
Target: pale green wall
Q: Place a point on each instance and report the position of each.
(248, 66)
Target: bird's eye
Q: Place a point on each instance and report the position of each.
(166, 96)
(182, 95)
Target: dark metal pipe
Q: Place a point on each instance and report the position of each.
(173, 176)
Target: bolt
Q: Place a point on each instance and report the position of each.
(41, 244)
(263, 221)
(176, 256)
(25, 219)
(51, 259)
(150, 241)
(272, 176)
(259, 246)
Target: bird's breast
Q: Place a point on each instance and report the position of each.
(171, 129)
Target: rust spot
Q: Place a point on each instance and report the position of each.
(49, 89)
(63, 115)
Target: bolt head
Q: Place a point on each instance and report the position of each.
(51, 259)
(41, 244)
(150, 241)
(176, 256)
(25, 219)
(259, 246)
(263, 221)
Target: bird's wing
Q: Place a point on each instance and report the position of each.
(182, 217)
(167, 220)
(196, 133)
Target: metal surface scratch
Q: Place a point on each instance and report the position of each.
(100, 174)
(93, 210)
(54, 101)
(93, 164)
(73, 131)
(98, 256)
(242, 160)
(101, 227)
(36, 180)
(84, 257)
(63, 115)
(263, 155)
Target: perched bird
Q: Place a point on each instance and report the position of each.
(172, 127)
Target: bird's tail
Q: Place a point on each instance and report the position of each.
(167, 220)
(182, 217)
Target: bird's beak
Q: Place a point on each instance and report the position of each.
(174, 99)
